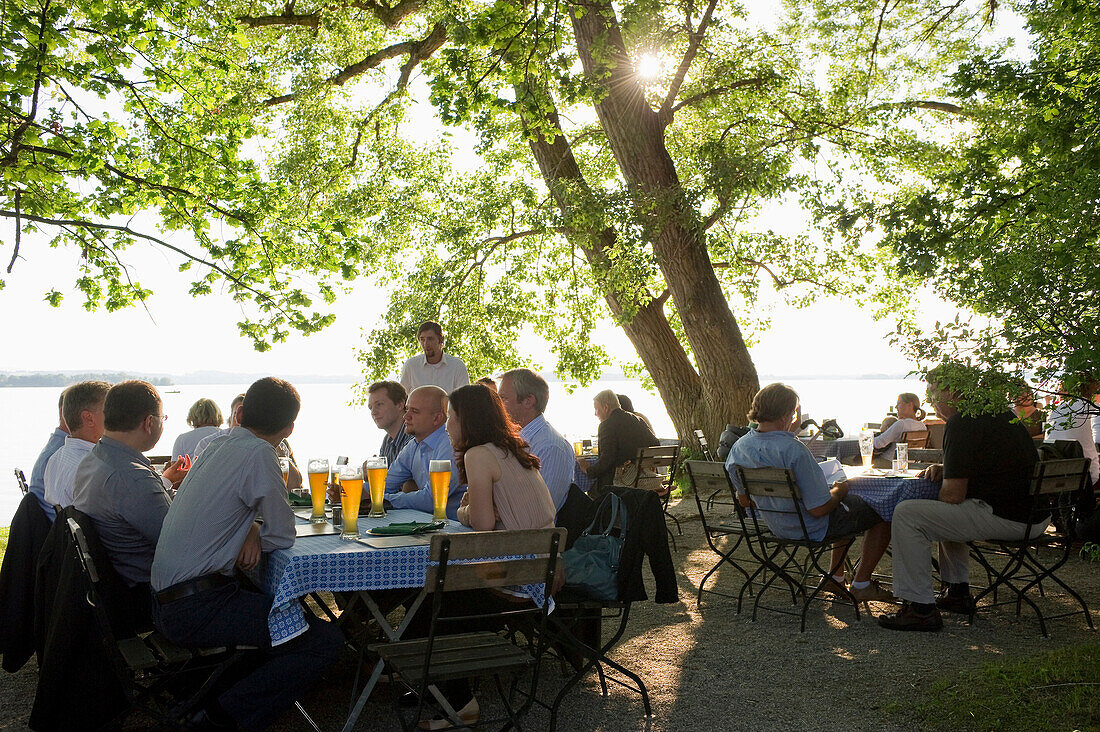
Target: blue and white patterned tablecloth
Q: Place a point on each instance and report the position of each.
(845, 447)
(317, 563)
(884, 494)
(581, 478)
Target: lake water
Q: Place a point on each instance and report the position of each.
(327, 426)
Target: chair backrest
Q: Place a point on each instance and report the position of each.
(915, 439)
(773, 483)
(1055, 487)
(702, 439)
(711, 479)
(660, 459)
(21, 480)
(935, 435)
(925, 456)
(484, 559)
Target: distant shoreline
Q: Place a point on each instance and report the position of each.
(30, 379)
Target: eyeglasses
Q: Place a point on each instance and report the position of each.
(161, 417)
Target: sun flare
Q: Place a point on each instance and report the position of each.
(648, 67)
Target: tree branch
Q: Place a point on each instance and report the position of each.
(18, 230)
(755, 81)
(417, 51)
(695, 39)
(920, 104)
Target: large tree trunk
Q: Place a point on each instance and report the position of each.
(648, 329)
(636, 137)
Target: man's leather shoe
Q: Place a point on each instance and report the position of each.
(908, 618)
(961, 604)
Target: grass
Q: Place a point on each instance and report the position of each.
(3, 541)
(1057, 689)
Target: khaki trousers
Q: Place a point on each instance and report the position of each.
(918, 522)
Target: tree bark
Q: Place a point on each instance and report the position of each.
(635, 134)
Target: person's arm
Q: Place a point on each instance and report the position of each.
(145, 505)
(420, 500)
(251, 551)
(401, 469)
(481, 470)
(890, 434)
(557, 470)
(608, 436)
(959, 448)
(462, 376)
(817, 497)
(953, 490)
(836, 495)
(266, 492)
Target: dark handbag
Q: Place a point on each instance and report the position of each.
(592, 564)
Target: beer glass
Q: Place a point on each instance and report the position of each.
(439, 472)
(284, 467)
(318, 478)
(577, 448)
(867, 448)
(351, 493)
(903, 455)
(376, 478)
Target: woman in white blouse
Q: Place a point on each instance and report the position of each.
(910, 415)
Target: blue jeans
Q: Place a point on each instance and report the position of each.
(232, 615)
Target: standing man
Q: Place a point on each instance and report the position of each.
(434, 368)
(622, 434)
(118, 488)
(525, 395)
(211, 528)
(988, 462)
(386, 401)
(83, 410)
(407, 482)
(37, 484)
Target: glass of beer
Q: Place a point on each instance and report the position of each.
(284, 468)
(376, 477)
(903, 455)
(318, 478)
(351, 493)
(867, 448)
(578, 448)
(439, 471)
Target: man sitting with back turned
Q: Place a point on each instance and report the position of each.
(622, 435)
(37, 482)
(525, 395)
(386, 401)
(118, 488)
(434, 367)
(988, 462)
(407, 482)
(827, 511)
(212, 527)
(83, 408)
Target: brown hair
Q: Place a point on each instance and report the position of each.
(394, 391)
(774, 401)
(911, 398)
(482, 419)
(128, 404)
(432, 326)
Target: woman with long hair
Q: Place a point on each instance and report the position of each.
(910, 419)
(504, 487)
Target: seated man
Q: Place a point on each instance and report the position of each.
(827, 511)
(622, 434)
(116, 486)
(986, 472)
(386, 401)
(212, 526)
(83, 409)
(407, 483)
(37, 482)
(525, 395)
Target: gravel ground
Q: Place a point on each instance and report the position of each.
(720, 671)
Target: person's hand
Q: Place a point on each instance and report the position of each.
(409, 486)
(177, 470)
(293, 478)
(333, 492)
(463, 515)
(249, 555)
(465, 500)
(841, 487)
(583, 465)
(933, 473)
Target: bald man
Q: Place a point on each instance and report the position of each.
(407, 482)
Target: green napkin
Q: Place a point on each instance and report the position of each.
(406, 529)
(296, 500)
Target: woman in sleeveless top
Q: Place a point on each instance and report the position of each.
(504, 487)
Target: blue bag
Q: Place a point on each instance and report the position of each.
(592, 563)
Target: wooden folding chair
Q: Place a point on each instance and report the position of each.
(778, 556)
(660, 460)
(468, 561)
(916, 439)
(707, 476)
(148, 666)
(1021, 566)
(922, 458)
(21, 480)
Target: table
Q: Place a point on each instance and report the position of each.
(884, 494)
(581, 478)
(845, 447)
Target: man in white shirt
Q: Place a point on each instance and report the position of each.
(525, 395)
(82, 408)
(434, 368)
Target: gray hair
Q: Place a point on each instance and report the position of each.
(608, 399)
(527, 383)
(78, 397)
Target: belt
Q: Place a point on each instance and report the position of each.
(192, 587)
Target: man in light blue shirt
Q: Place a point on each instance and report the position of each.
(407, 481)
(525, 395)
(827, 511)
(37, 483)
